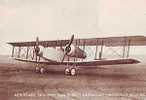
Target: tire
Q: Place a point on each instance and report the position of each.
(67, 71)
(73, 72)
(37, 69)
(42, 70)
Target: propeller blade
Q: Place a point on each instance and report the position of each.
(63, 57)
(37, 49)
(71, 40)
(37, 41)
(68, 48)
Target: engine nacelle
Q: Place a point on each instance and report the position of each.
(38, 50)
(76, 52)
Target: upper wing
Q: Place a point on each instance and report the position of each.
(42, 43)
(114, 41)
(107, 41)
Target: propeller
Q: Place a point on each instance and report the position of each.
(37, 48)
(68, 47)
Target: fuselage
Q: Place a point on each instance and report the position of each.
(57, 53)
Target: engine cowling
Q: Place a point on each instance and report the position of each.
(74, 51)
(38, 51)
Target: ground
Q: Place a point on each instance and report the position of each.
(18, 81)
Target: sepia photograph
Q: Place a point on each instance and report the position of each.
(73, 49)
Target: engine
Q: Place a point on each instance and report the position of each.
(38, 50)
(73, 51)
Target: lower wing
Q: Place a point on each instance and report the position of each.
(84, 63)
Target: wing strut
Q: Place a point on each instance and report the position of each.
(27, 52)
(96, 50)
(19, 51)
(128, 51)
(13, 50)
(101, 50)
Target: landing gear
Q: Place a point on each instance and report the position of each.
(39, 69)
(70, 71)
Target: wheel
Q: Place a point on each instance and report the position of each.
(42, 70)
(37, 69)
(67, 71)
(73, 72)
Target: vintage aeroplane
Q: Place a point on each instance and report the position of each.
(70, 54)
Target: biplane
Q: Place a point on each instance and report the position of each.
(71, 52)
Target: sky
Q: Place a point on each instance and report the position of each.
(24, 20)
